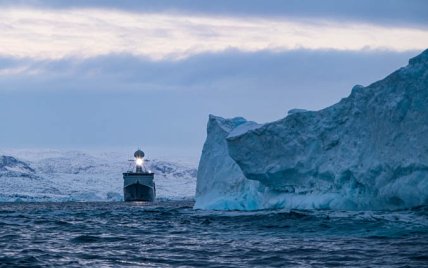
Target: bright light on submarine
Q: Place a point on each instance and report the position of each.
(139, 161)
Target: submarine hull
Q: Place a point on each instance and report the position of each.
(139, 187)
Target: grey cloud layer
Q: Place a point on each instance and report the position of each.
(205, 71)
(400, 12)
(89, 103)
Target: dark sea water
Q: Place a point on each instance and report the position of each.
(171, 234)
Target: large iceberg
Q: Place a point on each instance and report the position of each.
(368, 151)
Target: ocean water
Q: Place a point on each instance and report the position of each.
(171, 234)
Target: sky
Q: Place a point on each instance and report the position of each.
(136, 73)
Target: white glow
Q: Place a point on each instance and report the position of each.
(53, 34)
(139, 161)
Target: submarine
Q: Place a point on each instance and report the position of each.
(138, 183)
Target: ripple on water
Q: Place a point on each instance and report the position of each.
(95, 239)
(171, 233)
(16, 261)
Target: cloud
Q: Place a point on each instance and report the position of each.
(84, 33)
(209, 71)
(90, 102)
(385, 12)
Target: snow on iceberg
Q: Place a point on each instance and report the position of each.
(369, 151)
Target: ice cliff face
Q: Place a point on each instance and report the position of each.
(221, 184)
(369, 151)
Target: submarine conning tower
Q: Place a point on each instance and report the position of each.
(139, 185)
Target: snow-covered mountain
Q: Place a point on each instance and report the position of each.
(369, 151)
(51, 175)
(12, 167)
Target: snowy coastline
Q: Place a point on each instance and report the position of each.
(58, 175)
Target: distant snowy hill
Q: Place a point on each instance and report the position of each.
(84, 176)
(12, 167)
(368, 151)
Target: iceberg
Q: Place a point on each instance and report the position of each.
(367, 152)
(220, 182)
